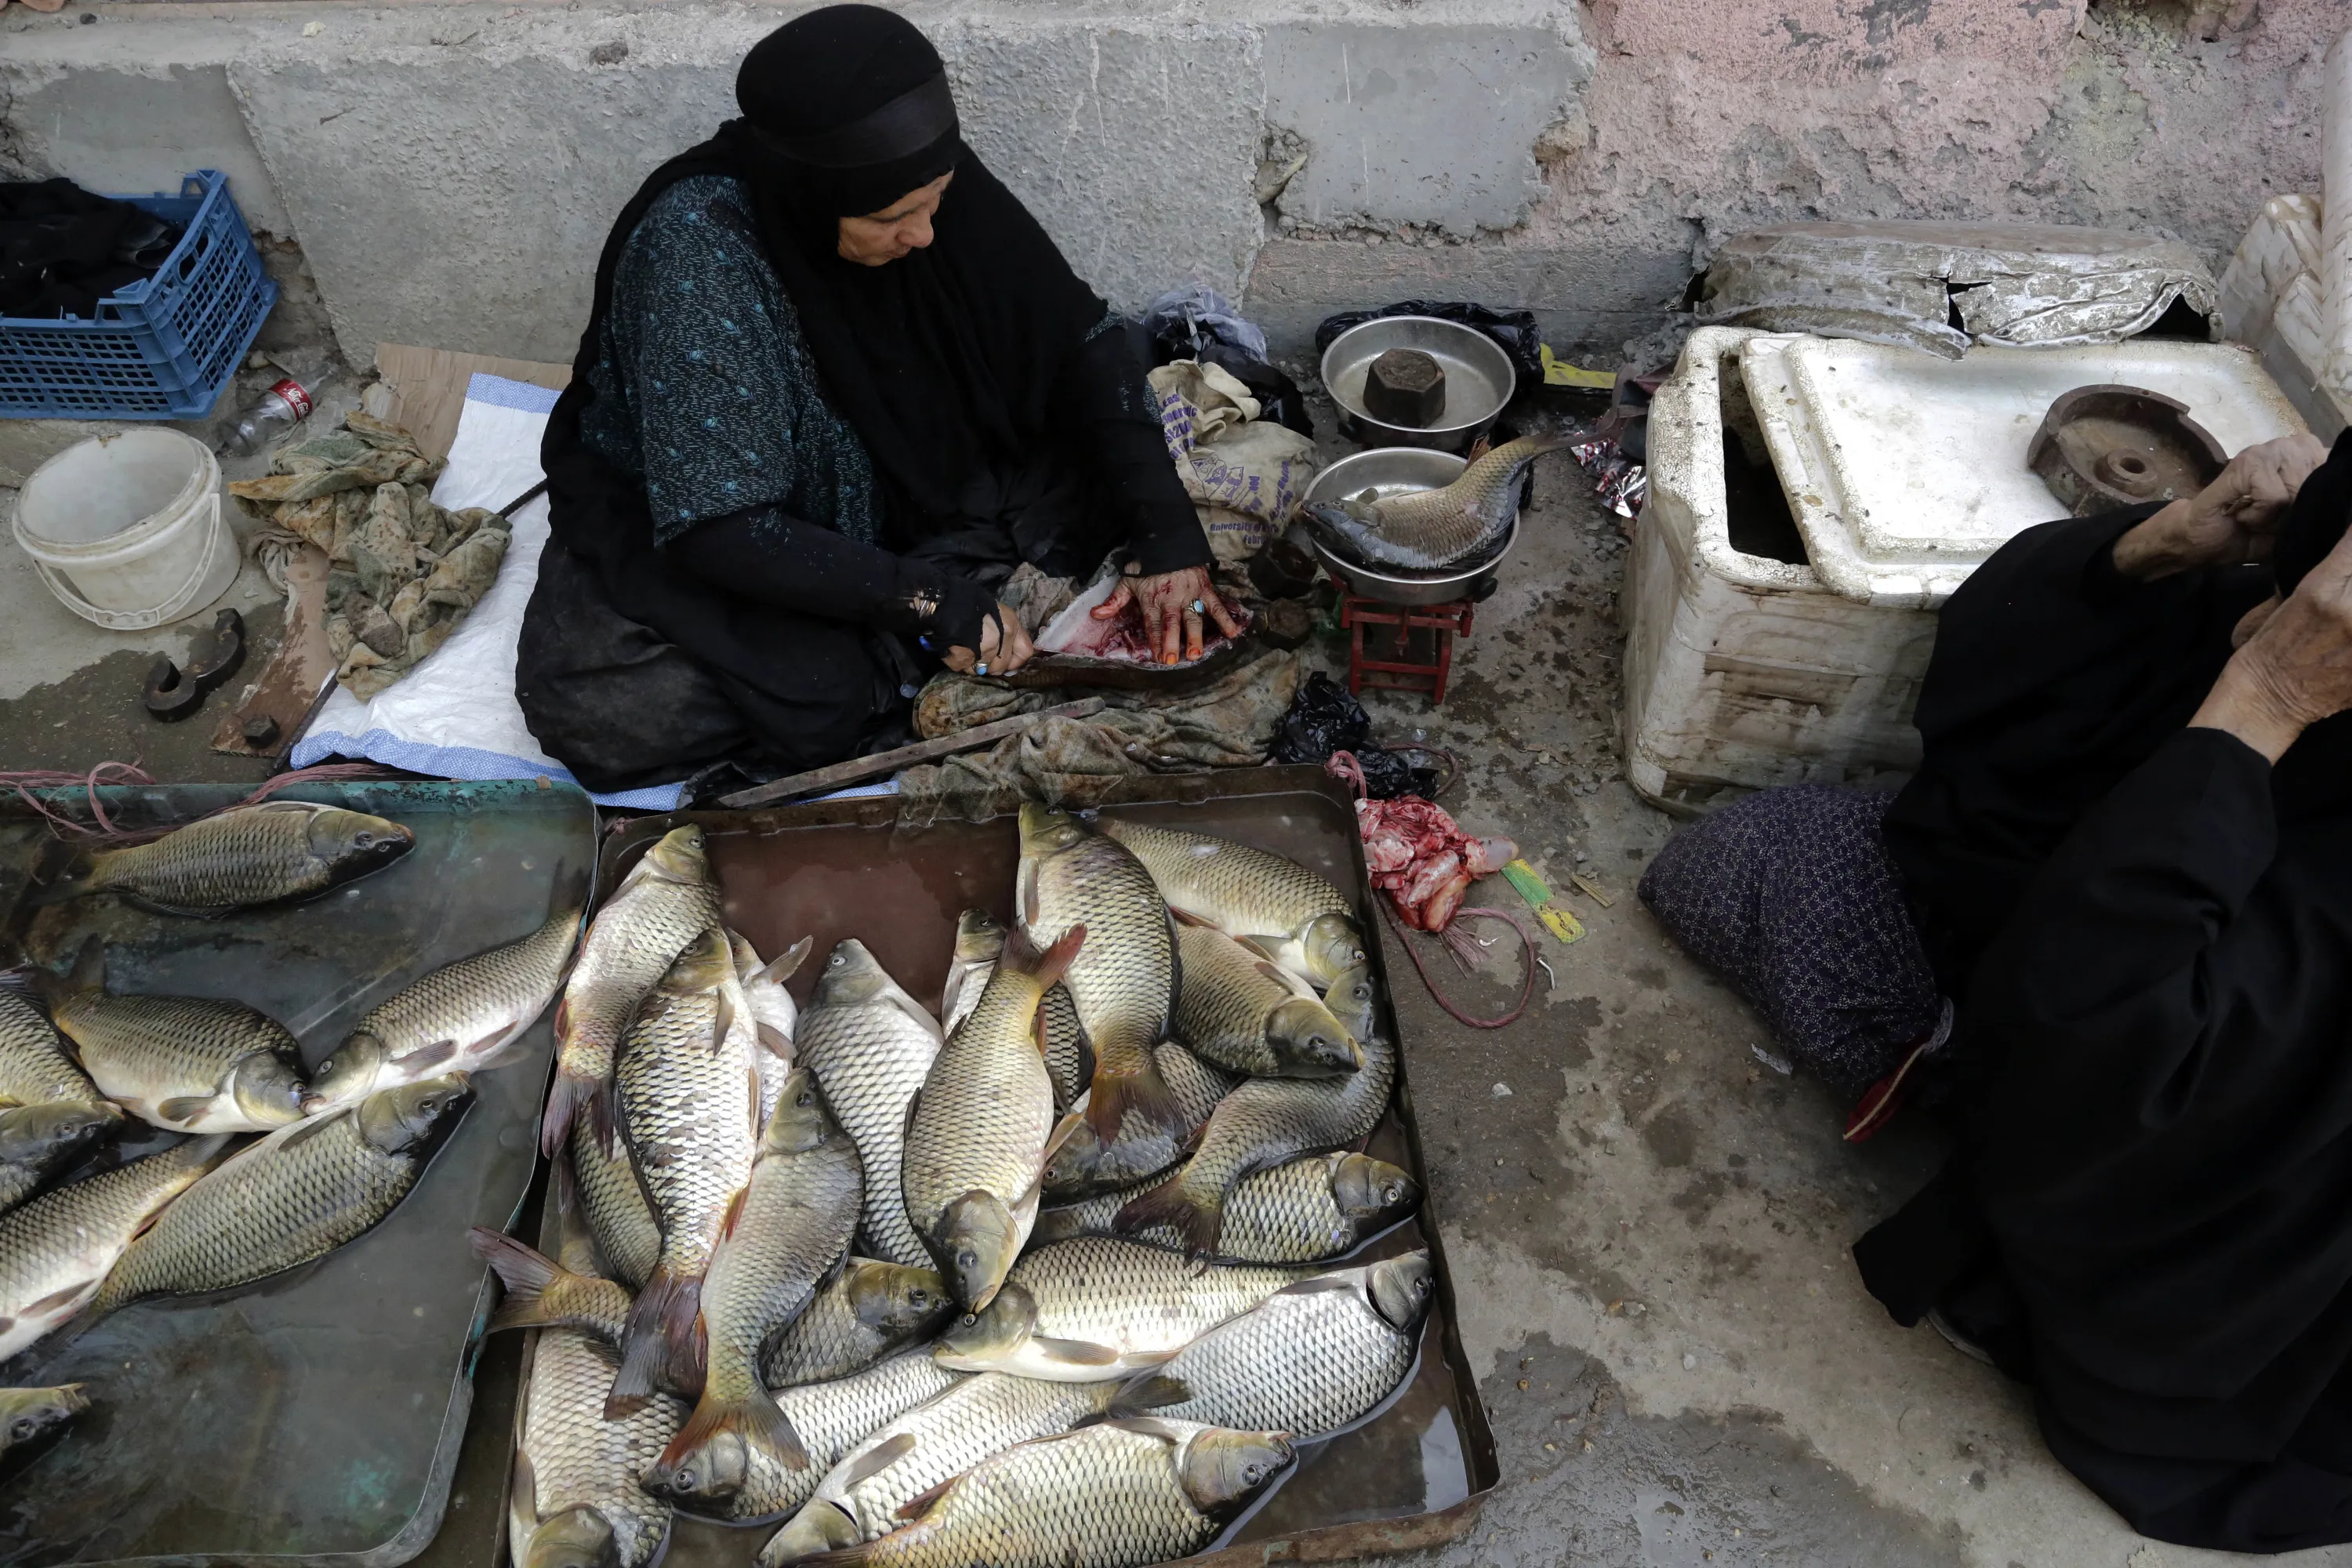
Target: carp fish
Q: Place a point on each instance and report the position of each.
(1432, 530)
(250, 856)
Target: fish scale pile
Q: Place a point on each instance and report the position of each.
(1063, 1279)
(275, 1168)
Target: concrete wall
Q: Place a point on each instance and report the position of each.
(448, 171)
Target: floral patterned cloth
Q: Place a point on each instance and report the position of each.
(706, 391)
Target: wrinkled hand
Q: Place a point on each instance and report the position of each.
(2296, 670)
(1003, 645)
(2234, 519)
(1172, 603)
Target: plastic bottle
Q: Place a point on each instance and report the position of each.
(281, 407)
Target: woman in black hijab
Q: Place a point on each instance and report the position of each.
(835, 386)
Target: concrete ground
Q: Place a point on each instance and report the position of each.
(1647, 1222)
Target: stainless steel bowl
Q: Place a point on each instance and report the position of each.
(1399, 471)
(1479, 379)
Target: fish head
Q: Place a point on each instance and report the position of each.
(823, 1526)
(1309, 1042)
(398, 1121)
(38, 1411)
(352, 843)
(681, 856)
(892, 1299)
(1044, 831)
(801, 1121)
(978, 937)
(852, 976)
(711, 1472)
(1220, 1469)
(1333, 946)
(45, 1134)
(1371, 1195)
(981, 1343)
(707, 963)
(1074, 1166)
(268, 1089)
(1401, 1287)
(576, 1538)
(1351, 998)
(977, 1241)
(348, 1075)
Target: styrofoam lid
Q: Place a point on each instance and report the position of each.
(1904, 470)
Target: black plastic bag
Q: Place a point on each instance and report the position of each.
(1198, 324)
(1323, 719)
(1279, 397)
(1513, 330)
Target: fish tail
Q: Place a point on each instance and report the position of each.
(1048, 965)
(856, 1556)
(572, 1093)
(645, 1343)
(529, 1277)
(756, 1418)
(1138, 1091)
(1170, 1204)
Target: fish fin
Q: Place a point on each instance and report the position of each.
(874, 1461)
(571, 1093)
(1183, 919)
(734, 1214)
(856, 1556)
(1055, 962)
(1320, 1283)
(1149, 1391)
(723, 1020)
(1268, 969)
(1024, 893)
(300, 1133)
(1077, 1352)
(431, 1056)
(1263, 947)
(1169, 1204)
(1142, 1093)
(916, 1011)
(183, 911)
(57, 1299)
(774, 1041)
(524, 1273)
(491, 1051)
(183, 1107)
(923, 1501)
(89, 970)
(667, 1306)
(758, 1420)
(787, 963)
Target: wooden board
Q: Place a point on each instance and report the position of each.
(428, 387)
(290, 685)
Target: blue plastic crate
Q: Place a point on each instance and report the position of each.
(162, 349)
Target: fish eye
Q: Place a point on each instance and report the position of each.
(1252, 1472)
(685, 1479)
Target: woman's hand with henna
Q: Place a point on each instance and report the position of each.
(1173, 604)
(1004, 646)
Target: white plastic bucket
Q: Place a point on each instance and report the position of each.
(127, 529)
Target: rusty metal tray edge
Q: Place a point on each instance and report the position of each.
(1330, 1543)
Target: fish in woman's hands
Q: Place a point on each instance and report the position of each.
(784, 1234)
(1299, 919)
(981, 1125)
(298, 1195)
(742, 1483)
(870, 1045)
(1268, 1121)
(1118, 1495)
(54, 1250)
(1309, 1360)
(1123, 981)
(1241, 1010)
(250, 856)
(687, 1095)
(1430, 530)
(1325, 1205)
(27, 1414)
(189, 1064)
(665, 904)
(1078, 1312)
(458, 1018)
(575, 1502)
(945, 1435)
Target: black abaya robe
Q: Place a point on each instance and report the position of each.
(2150, 1214)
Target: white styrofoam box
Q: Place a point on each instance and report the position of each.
(1904, 470)
(2273, 300)
(1744, 672)
(2335, 271)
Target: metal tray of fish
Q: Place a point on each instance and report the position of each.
(1412, 1475)
(313, 1417)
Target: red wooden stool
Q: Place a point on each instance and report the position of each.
(1420, 652)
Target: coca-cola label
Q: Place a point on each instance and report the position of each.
(296, 398)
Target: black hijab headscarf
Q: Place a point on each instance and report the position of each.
(946, 359)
